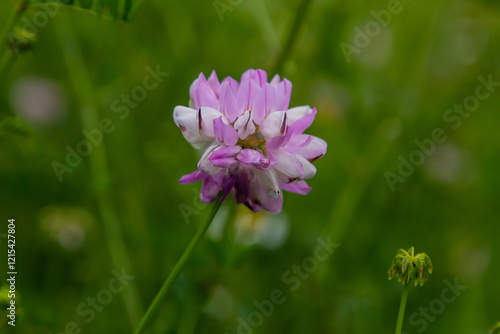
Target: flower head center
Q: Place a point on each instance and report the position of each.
(255, 141)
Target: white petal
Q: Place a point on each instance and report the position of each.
(207, 116)
(205, 165)
(271, 126)
(185, 119)
(309, 169)
(244, 124)
(297, 113)
(269, 181)
(288, 164)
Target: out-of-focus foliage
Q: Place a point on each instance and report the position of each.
(380, 111)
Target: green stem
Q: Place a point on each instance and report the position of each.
(402, 308)
(153, 308)
(292, 35)
(99, 170)
(11, 22)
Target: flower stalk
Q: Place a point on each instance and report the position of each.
(153, 308)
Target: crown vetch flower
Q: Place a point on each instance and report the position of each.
(254, 144)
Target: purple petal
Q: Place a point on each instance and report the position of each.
(235, 86)
(283, 94)
(249, 89)
(193, 177)
(265, 103)
(275, 81)
(299, 187)
(253, 158)
(202, 94)
(225, 157)
(213, 81)
(298, 143)
(224, 133)
(227, 100)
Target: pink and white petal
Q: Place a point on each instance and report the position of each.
(271, 126)
(298, 143)
(227, 100)
(224, 133)
(283, 94)
(265, 103)
(298, 187)
(205, 120)
(193, 177)
(268, 180)
(289, 165)
(213, 81)
(303, 123)
(275, 143)
(309, 168)
(186, 119)
(315, 149)
(253, 159)
(225, 157)
(205, 165)
(296, 113)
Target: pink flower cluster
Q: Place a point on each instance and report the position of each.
(254, 144)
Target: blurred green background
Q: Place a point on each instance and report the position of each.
(122, 207)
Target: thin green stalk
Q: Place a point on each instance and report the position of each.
(293, 33)
(89, 115)
(402, 308)
(153, 308)
(11, 22)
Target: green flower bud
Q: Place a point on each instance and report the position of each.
(408, 267)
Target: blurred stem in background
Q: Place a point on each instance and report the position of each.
(153, 308)
(402, 308)
(292, 34)
(98, 161)
(6, 61)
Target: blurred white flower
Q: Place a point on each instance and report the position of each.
(220, 305)
(266, 230)
(37, 100)
(450, 164)
(66, 226)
